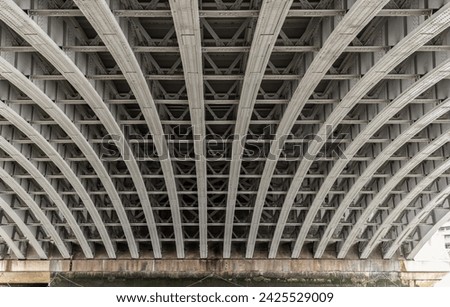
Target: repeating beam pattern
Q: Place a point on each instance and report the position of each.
(187, 25)
(231, 128)
(12, 15)
(5, 234)
(397, 143)
(26, 86)
(398, 104)
(40, 215)
(26, 230)
(52, 193)
(229, 13)
(427, 233)
(269, 24)
(25, 128)
(399, 53)
(110, 32)
(414, 221)
(379, 233)
(360, 14)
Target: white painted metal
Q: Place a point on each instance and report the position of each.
(381, 231)
(187, 25)
(114, 39)
(426, 234)
(386, 225)
(10, 73)
(63, 166)
(419, 125)
(26, 230)
(15, 17)
(389, 251)
(85, 57)
(359, 15)
(407, 46)
(270, 21)
(5, 234)
(52, 193)
(430, 79)
(37, 211)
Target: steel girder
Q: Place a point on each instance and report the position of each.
(398, 54)
(187, 26)
(397, 143)
(211, 86)
(269, 24)
(19, 21)
(6, 233)
(51, 192)
(26, 230)
(399, 103)
(360, 14)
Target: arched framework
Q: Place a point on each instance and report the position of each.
(427, 233)
(379, 233)
(26, 230)
(360, 14)
(389, 151)
(214, 129)
(430, 79)
(403, 231)
(26, 86)
(270, 21)
(15, 18)
(111, 34)
(6, 235)
(19, 122)
(399, 53)
(51, 192)
(34, 207)
(186, 19)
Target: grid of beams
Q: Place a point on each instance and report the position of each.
(223, 128)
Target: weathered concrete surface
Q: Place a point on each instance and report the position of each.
(421, 279)
(223, 267)
(25, 277)
(334, 271)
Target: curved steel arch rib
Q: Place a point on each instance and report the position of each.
(26, 231)
(19, 122)
(10, 73)
(37, 211)
(114, 39)
(430, 79)
(406, 47)
(52, 193)
(393, 215)
(358, 17)
(186, 19)
(270, 21)
(14, 76)
(428, 234)
(15, 18)
(377, 163)
(10, 242)
(390, 250)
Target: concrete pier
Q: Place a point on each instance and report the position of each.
(308, 271)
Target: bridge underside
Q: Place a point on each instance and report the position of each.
(223, 128)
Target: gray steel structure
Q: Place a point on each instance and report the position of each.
(221, 128)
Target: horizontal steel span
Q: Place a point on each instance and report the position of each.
(230, 129)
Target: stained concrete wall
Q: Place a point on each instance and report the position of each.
(358, 272)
